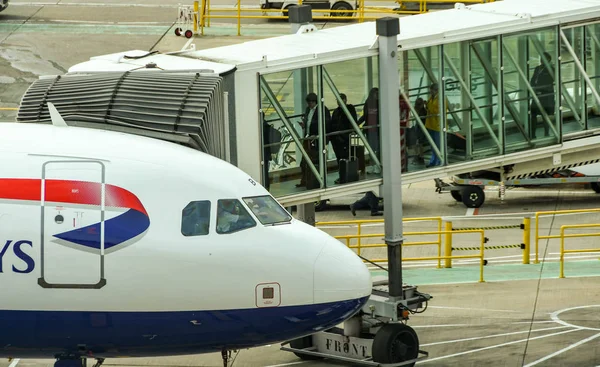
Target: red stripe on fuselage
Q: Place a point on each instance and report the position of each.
(68, 191)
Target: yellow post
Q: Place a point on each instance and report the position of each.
(481, 259)
(439, 243)
(448, 249)
(195, 17)
(562, 252)
(239, 10)
(202, 17)
(536, 237)
(359, 234)
(526, 239)
(361, 11)
(208, 11)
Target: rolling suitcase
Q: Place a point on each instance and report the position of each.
(348, 170)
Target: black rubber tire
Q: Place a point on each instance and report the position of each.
(342, 5)
(320, 205)
(302, 343)
(395, 343)
(473, 196)
(595, 187)
(178, 31)
(456, 195)
(188, 34)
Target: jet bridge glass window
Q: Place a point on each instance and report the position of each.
(232, 216)
(267, 210)
(195, 218)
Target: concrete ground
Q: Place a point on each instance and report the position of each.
(522, 315)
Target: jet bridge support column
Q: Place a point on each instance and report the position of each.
(389, 84)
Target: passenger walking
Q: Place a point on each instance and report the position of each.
(341, 127)
(432, 122)
(310, 126)
(371, 117)
(542, 83)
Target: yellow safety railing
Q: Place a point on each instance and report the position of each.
(426, 258)
(525, 245)
(537, 236)
(359, 224)
(361, 13)
(562, 242)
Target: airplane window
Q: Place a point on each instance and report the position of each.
(195, 218)
(267, 210)
(232, 216)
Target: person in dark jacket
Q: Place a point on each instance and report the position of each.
(542, 83)
(310, 127)
(340, 122)
(370, 117)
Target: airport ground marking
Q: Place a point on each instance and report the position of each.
(491, 336)
(574, 345)
(497, 346)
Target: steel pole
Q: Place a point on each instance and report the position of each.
(388, 29)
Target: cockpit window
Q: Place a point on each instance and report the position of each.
(267, 209)
(195, 218)
(232, 216)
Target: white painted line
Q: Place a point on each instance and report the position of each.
(187, 44)
(14, 363)
(497, 346)
(492, 336)
(470, 212)
(533, 322)
(562, 350)
(434, 326)
(555, 318)
(287, 364)
(473, 309)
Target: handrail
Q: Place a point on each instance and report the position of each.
(537, 237)
(360, 223)
(562, 242)
(206, 12)
(424, 243)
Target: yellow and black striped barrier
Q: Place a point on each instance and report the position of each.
(520, 226)
(525, 245)
(496, 247)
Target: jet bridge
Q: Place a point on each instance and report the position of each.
(517, 93)
(186, 108)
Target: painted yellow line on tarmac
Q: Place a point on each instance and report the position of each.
(9, 108)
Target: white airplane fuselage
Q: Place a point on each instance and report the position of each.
(93, 259)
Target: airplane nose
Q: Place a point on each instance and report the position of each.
(340, 275)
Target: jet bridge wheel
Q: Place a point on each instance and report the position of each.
(456, 195)
(472, 196)
(395, 343)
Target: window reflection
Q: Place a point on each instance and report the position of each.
(232, 216)
(267, 210)
(195, 218)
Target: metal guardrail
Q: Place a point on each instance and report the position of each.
(359, 224)
(449, 232)
(359, 246)
(537, 236)
(562, 242)
(205, 12)
(525, 245)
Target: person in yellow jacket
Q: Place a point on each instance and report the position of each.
(432, 122)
